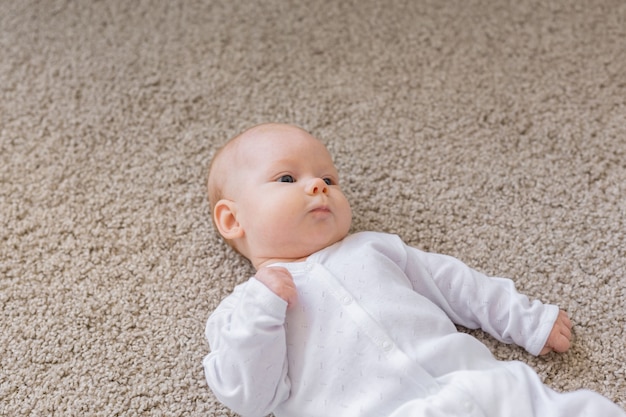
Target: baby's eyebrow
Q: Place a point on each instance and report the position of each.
(282, 164)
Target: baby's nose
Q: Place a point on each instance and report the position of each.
(317, 186)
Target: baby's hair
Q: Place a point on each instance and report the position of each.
(215, 180)
(214, 185)
(214, 191)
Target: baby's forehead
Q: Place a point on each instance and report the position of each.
(269, 142)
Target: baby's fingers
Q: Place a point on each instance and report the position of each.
(561, 342)
(561, 335)
(564, 320)
(279, 281)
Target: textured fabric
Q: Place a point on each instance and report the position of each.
(493, 131)
(370, 334)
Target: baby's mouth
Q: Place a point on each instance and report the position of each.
(320, 209)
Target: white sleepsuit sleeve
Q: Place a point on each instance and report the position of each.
(474, 300)
(247, 365)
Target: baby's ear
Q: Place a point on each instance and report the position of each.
(225, 217)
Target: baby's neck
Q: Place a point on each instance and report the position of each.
(265, 262)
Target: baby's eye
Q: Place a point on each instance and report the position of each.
(286, 178)
(328, 181)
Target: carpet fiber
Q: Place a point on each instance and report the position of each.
(491, 131)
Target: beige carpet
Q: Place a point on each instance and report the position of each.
(491, 131)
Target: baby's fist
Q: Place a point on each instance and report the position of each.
(279, 281)
(560, 336)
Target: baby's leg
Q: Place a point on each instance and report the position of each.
(547, 402)
(510, 390)
(514, 389)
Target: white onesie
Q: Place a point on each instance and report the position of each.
(373, 334)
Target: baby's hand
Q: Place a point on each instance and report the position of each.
(560, 336)
(280, 281)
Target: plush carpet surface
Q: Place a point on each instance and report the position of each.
(491, 131)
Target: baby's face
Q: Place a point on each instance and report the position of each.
(287, 195)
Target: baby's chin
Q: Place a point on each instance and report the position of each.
(323, 244)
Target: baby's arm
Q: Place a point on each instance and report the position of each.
(474, 300)
(247, 366)
(560, 336)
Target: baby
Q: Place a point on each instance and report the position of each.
(338, 324)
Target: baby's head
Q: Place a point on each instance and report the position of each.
(274, 195)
